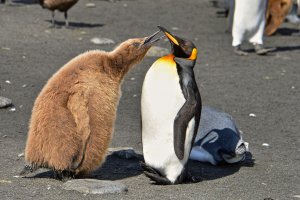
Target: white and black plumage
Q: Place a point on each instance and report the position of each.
(171, 108)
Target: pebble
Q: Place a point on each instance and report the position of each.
(90, 5)
(252, 115)
(175, 28)
(93, 186)
(8, 82)
(156, 51)
(24, 86)
(5, 102)
(265, 145)
(102, 41)
(12, 110)
(5, 48)
(21, 155)
(5, 181)
(296, 196)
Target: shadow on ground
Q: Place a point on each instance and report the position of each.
(287, 48)
(205, 171)
(286, 31)
(117, 168)
(59, 24)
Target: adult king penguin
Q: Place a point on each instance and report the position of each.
(171, 109)
(249, 24)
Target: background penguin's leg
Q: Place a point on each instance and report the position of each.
(53, 18)
(78, 106)
(230, 16)
(184, 116)
(66, 19)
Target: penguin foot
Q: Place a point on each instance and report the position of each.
(260, 50)
(29, 168)
(239, 51)
(155, 175)
(64, 175)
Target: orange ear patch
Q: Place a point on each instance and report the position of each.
(194, 54)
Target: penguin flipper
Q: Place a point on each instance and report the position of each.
(78, 106)
(181, 122)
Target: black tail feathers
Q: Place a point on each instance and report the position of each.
(29, 168)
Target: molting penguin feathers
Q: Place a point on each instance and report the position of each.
(171, 109)
(73, 117)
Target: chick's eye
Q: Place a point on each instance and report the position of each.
(136, 44)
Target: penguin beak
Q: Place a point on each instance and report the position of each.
(150, 39)
(171, 37)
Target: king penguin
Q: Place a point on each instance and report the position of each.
(249, 24)
(171, 109)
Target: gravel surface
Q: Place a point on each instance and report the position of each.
(260, 92)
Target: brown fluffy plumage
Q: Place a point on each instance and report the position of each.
(61, 5)
(73, 117)
(276, 12)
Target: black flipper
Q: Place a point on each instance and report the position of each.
(184, 116)
(190, 109)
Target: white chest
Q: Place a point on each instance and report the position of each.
(162, 98)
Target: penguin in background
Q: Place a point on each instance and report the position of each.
(73, 117)
(171, 109)
(249, 24)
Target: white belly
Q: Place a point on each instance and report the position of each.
(162, 98)
(249, 18)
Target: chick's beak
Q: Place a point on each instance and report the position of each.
(171, 37)
(150, 39)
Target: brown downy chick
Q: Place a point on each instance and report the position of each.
(61, 5)
(73, 117)
(277, 10)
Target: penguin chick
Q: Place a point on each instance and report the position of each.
(171, 108)
(73, 117)
(218, 139)
(61, 5)
(276, 12)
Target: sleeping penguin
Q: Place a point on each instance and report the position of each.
(171, 109)
(218, 139)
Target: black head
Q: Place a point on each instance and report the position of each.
(181, 48)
